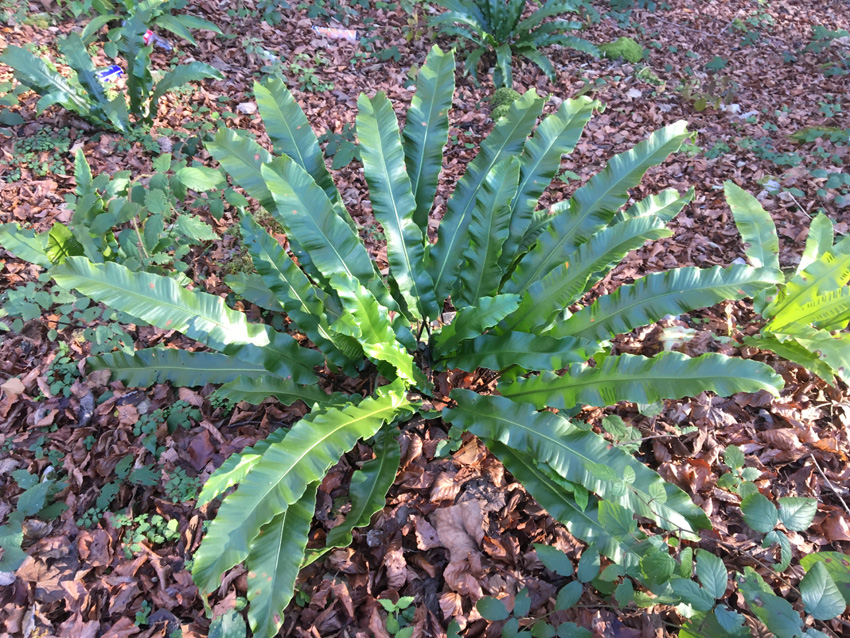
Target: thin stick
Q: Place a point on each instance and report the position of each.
(829, 483)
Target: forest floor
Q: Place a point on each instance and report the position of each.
(736, 70)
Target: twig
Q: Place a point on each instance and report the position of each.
(139, 235)
(829, 483)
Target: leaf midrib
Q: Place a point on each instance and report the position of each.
(593, 208)
(599, 320)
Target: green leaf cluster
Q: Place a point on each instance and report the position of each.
(807, 314)
(498, 28)
(85, 95)
(493, 292)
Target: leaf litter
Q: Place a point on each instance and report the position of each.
(456, 527)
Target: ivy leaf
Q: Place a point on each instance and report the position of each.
(797, 513)
(820, 594)
(554, 559)
(759, 513)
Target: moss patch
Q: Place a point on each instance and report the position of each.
(624, 48)
(501, 102)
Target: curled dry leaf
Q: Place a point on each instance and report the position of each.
(460, 529)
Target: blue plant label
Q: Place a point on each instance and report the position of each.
(110, 73)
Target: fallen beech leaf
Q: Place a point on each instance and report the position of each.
(13, 386)
(836, 527)
(426, 535)
(396, 568)
(460, 529)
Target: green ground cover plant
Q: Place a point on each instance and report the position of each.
(511, 322)
(498, 28)
(85, 95)
(808, 312)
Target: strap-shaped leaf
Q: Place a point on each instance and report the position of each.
(255, 390)
(274, 562)
(556, 136)
(282, 355)
(74, 50)
(670, 375)
(472, 321)
(788, 348)
(426, 130)
(532, 352)
(93, 26)
(180, 368)
(567, 282)
(236, 467)
(755, 225)
(242, 158)
(290, 131)
(162, 302)
(829, 311)
(34, 73)
(571, 452)
(581, 523)
(305, 211)
(299, 298)
(594, 205)
(25, 244)
(539, 59)
(820, 239)
(137, 56)
(179, 25)
(488, 231)
(369, 487)
(281, 477)
(833, 350)
(504, 69)
(506, 139)
(368, 322)
(653, 297)
(824, 354)
(549, 9)
(252, 288)
(829, 273)
(665, 205)
(393, 203)
(180, 75)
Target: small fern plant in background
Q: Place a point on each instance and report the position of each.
(85, 95)
(807, 315)
(498, 27)
(510, 272)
